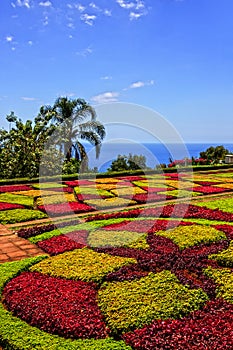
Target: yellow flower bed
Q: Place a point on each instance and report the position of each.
(129, 191)
(227, 185)
(54, 199)
(188, 236)
(35, 193)
(105, 238)
(82, 264)
(224, 279)
(109, 202)
(107, 180)
(92, 190)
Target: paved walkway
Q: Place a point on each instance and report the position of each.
(15, 248)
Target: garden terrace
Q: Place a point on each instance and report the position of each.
(130, 268)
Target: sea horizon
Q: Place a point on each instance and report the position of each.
(155, 153)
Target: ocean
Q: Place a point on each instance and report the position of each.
(155, 153)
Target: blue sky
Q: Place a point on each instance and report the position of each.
(172, 56)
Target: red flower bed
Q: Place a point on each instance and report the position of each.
(143, 226)
(77, 183)
(142, 198)
(85, 197)
(64, 307)
(13, 188)
(8, 206)
(209, 328)
(61, 189)
(170, 210)
(210, 189)
(207, 183)
(65, 208)
(122, 214)
(63, 243)
(131, 178)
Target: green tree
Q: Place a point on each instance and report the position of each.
(130, 162)
(75, 121)
(21, 147)
(214, 154)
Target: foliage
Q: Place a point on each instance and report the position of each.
(130, 304)
(16, 199)
(81, 264)
(64, 243)
(40, 307)
(22, 146)
(130, 162)
(224, 280)
(20, 215)
(187, 236)
(214, 153)
(107, 238)
(18, 335)
(70, 118)
(225, 257)
(209, 328)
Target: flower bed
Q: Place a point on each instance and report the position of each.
(20, 215)
(65, 208)
(8, 206)
(13, 188)
(158, 277)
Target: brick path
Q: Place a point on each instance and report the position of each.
(15, 248)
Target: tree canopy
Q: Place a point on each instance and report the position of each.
(55, 136)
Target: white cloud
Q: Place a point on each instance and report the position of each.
(9, 38)
(80, 7)
(106, 97)
(107, 77)
(28, 98)
(94, 6)
(84, 52)
(125, 4)
(140, 84)
(107, 13)
(30, 43)
(45, 20)
(135, 15)
(88, 19)
(45, 4)
(21, 3)
(137, 8)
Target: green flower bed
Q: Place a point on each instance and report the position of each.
(224, 279)
(224, 258)
(188, 236)
(82, 264)
(181, 193)
(103, 238)
(130, 304)
(225, 204)
(92, 190)
(18, 335)
(20, 215)
(45, 185)
(109, 202)
(17, 199)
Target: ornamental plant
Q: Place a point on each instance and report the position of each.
(131, 304)
(81, 264)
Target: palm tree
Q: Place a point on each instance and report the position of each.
(70, 117)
